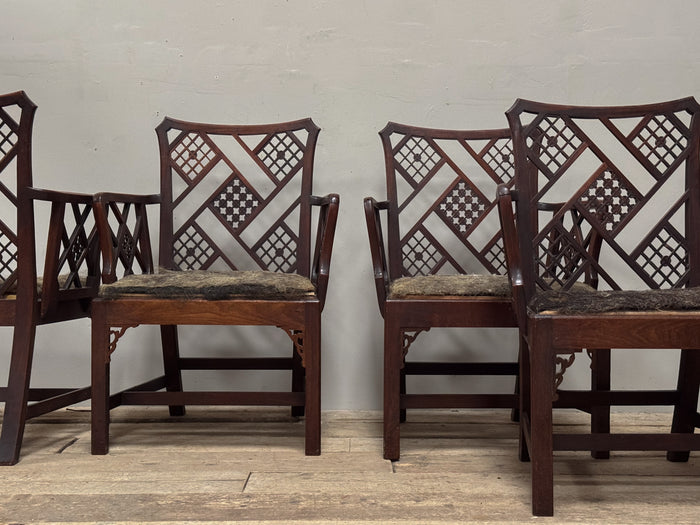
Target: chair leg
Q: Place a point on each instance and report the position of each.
(523, 398)
(100, 382)
(312, 360)
(17, 393)
(402, 412)
(600, 380)
(684, 412)
(298, 380)
(392, 388)
(541, 439)
(171, 365)
(515, 412)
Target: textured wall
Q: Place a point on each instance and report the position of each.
(105, 73)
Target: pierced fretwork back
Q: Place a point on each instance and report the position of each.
(629, 174)
(16, 119)
(236, 197)
(441, 187)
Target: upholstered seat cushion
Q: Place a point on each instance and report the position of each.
(462, 285)
(580, 300)
(200, 284)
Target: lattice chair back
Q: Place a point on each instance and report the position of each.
(441, 187)
(627, 176)
(16, 121)
(236, 197)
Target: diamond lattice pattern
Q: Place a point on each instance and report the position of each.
(192, 155)
(191, 250)
(661, 142)
(417, 157)
(281, 155)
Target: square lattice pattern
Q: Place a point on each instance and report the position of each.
(281, 154)
(8, 138)
(192, 155)
(278, 250)
(191, 250)
(418, 158)
(661, 142)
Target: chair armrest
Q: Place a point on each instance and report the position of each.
(124, 236)
(328, 217)
(505, 198)
(71, 267)
(376, 246)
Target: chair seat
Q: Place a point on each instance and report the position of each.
(583, 301)
(461, 285)
(211, 285)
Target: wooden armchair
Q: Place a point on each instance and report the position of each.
(235, 249)
(70, 276)
(438, 261)
(632, 177)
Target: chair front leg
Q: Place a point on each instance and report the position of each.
(312, 362)
(685, 411)
(100, 381)
(392, 387)
(542, 358)
(15, 413)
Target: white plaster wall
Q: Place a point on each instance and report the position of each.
(105, 73)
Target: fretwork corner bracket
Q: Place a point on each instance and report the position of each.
(115, 334)
(562, 363)
(407, 339)
(297, 337)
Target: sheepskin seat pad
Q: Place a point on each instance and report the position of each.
(460, 285)
(591, 302)
(201, 284)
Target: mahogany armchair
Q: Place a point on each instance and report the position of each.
(70, 275)
(439, 261)
(235, 249)
(625, 274)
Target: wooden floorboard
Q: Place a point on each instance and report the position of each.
(220, 465)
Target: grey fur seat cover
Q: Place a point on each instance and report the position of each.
(200, 284)
(462, 285)
(582, 301)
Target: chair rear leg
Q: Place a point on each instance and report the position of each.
(600, 380)
(523, 399)
(171, 364)
(402, 412)
(15, 414)
(684, 413)
(298, 380)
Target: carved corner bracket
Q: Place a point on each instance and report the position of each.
(297, 337)
(407, 339)
(115, 334)
(562, 362)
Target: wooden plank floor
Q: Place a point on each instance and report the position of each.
(220, 465)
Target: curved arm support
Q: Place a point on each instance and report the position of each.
(328, 216)
(506, 197)
(376, 245)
